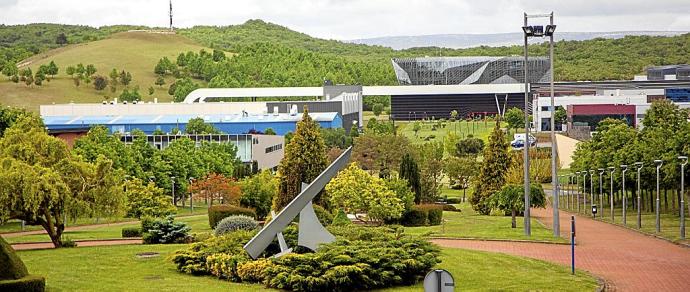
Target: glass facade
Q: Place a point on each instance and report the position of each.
(593, 120)
(469, 70)
(243, 142)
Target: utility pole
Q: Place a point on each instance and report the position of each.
(171, 15)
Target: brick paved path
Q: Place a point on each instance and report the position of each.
(627, 260)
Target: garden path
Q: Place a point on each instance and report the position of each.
(627, 260)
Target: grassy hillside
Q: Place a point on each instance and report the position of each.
(136, 52)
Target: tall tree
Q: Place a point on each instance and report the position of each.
(409, 170)
(492, 174)
(515, 118)
(304, 160)
(258, 192)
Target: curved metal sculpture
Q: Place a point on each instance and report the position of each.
(311, 232)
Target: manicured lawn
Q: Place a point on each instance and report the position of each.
(116, 268)
(478, 129)
(485, 271)
(198, 223)
(468, 224)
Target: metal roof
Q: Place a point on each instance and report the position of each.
(202, 94)
(173, 119)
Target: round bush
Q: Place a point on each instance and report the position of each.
(234, 223)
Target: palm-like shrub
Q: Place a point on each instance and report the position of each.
(234, 223)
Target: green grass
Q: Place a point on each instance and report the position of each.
(136, 52)
(468, 224)
(478, 129)
(485, 271)
(116, 268)
(198, 223)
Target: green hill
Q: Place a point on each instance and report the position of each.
(136, 52)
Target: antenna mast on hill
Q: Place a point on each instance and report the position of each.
(171, 24)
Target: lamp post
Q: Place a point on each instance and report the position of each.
(624, 168)
(172, 182)
(639, 196)
(577, 189)
(683, 162)
(584, 191)
(539, 31)
(601, 187)
(591, 187)
(611, 170)
(191, 197)
(658, 164)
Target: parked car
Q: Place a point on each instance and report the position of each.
(519, 141)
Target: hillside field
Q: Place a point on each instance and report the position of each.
(136, 52)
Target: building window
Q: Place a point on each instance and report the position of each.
(274, 148)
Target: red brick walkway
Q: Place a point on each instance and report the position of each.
(627, 260)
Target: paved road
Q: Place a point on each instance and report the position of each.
(627, 260)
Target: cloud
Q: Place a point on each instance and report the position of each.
(349, 19)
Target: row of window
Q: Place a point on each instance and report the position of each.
(274, 148)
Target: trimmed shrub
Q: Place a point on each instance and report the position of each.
(193, 259)
(434, 213)
(131, 232)
(146, 224)
(217, 213)
(415, 217)
(13, 273)
(450, 208)
(224, 266)
(341, 219)
(324, 216)
(30, 283)
(234, 223)
(68, 242)
(166, 231)
(453, 201)
(253, 271)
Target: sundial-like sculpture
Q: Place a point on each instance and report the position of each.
(311, 232)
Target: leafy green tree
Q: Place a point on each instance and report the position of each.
(182, 88)
(218, 55)
(356, 191)
(125, 78)
(380, 153)
(130, 96)
(561, 115)
(416, 127)
(183, 163)
(15, 78)
(450, 143)
(430, 157)
(42, 183)
(114, 76)
(10, 115)
(380, 127)
(460, 172)
(304, 160)
(199, 126)
(100, 82)
(29, 80)
(61, 39)
(258, 192)
(70, 71)
(160, 81)
(469, 146)
(10, 69)
(53, 69)
(181, 60)
(80, 69)
(492, 174)
(336, 137)
(98, 142)
(269, 131)
(151, 90)
(378, 109)
(146, 200)
(511, 199)
(90, 70)
(409, 171)
(401, 188)
(515, 118)
(40, 76)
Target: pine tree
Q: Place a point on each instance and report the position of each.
(492, 175)
(305, 159)
(409, 170)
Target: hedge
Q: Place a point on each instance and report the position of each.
(131, 232)
(30, 283)
(218, 212)
(422, 215)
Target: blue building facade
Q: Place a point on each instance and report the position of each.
(230, 124)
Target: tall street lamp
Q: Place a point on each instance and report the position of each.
(591, 188)
(639, 195)
(577, 188)
(658, 164)
(539, 31)
(191, 197)
(601, 187)
(683, 162)
(624, 168)
(611, 170)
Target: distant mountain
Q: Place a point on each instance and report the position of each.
(460, 41)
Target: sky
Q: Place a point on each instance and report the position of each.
(354, 19)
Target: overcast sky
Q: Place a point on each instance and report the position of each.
(351, 19)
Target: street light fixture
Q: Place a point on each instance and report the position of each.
(577, 188)
(172, 183)
(611, 171)
(624, 168)
(683, 162)
(658, 164)
(601, 187)
(591, 187)
(191, 197)
(639, 195)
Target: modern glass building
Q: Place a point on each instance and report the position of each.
(469, 70)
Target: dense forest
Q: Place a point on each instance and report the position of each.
(267, 54)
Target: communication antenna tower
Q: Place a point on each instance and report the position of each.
(171, 23)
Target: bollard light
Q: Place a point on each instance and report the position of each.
(594, 211)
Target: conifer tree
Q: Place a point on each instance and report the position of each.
(305, 159)
(492, 175)
(409, 170)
